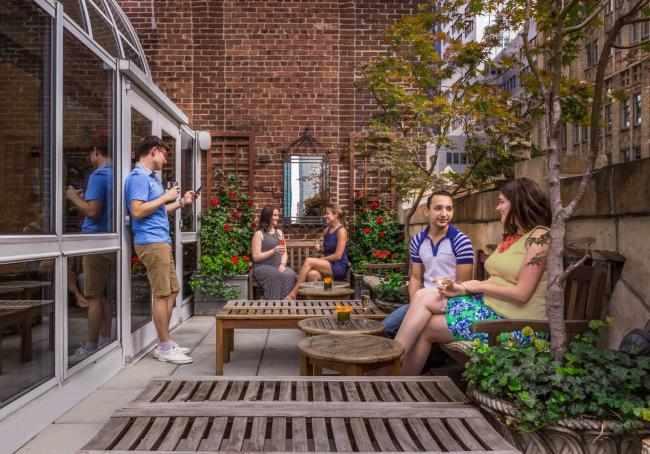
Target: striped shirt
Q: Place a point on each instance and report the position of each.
(441, 259)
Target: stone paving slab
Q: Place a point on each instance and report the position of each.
(257, 352)
(99, 406)
(61, 439)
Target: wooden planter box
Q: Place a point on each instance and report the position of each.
(568, 436)
(210, 305)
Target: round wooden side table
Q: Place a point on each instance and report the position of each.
(350, 355)
(317, 292)
(329, 325)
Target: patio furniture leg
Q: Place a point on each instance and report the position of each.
(220, 348)
(305, 367)
(396, 367)
(227, 346)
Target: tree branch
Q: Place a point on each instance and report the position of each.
(526, 46)
(587, 21)
(634, 46)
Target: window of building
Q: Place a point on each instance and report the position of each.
(88, 173)
(634, 33)
(625, 153)
(188, 182)
(585, 134)
(625, 78)
(189, 267)
(636, 152)
(448, 158)
(637, 105)
(563, 137)
(26, 158)
(625, 114)
(27, 343)
(73, 9)
(591, 50)
(576, 134)
(645, 31)
(92, 308)
(608, 118)
(463, 158)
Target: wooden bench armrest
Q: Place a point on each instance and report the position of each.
(495, 327)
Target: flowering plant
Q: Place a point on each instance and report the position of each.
(377, 236)
(225, 235)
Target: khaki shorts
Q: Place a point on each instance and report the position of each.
(99, 270)
(161, 270)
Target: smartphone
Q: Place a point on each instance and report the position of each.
(198, 190)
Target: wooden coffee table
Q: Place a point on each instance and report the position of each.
(329, 325)
(316, 291)
(350, 355)
(274, 314)
(299, 414)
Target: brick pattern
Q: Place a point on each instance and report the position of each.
(271, 69)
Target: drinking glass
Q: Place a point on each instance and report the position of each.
(327, 282)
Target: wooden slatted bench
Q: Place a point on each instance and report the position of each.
(294, 414)
(275, 314)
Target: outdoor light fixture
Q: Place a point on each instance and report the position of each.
(205, 140)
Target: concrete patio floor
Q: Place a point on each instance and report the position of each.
(257, 352)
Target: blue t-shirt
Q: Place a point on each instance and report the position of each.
(143, 184)
(100, 188)
(441, 259)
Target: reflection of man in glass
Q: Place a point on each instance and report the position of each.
(97, 208)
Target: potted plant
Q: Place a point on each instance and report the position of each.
(225, 234)
(377, 236)
(591, 401)
(390, 292)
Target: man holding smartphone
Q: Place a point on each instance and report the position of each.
(149, 204)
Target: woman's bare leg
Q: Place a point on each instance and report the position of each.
(436, 331)
(427, 302)
(314, 275)
(311, 264)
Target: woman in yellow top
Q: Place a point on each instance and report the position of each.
(516, 287)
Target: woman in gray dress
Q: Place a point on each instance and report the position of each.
(270, 257)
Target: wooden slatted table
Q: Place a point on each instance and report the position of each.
(293, 414)
(349, 355)
(329, 325)
(275, 314)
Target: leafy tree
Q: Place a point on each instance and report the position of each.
(562, 29)
(423, 95)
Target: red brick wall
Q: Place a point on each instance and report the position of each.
(271, 68)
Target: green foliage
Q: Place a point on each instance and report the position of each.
(393, 288)
(419, 105)
(376, 236)
(226, 232)
(587, 383)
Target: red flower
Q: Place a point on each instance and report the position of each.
(246, 258)
(373, 204)
(232, 195)
(382, 234)
(236, 215)
(367, 230)
(234, 260)
(251, 204)
(227, 228)
(379, 220)
(380, 254)
(215, 202)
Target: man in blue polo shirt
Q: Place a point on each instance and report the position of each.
(438, 251)
(149, 204)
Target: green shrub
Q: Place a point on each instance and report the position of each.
(589, 382)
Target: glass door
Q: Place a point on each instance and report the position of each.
(143, 119)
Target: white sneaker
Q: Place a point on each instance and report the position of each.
(173, 355)
(82, 353)
(183, 350)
